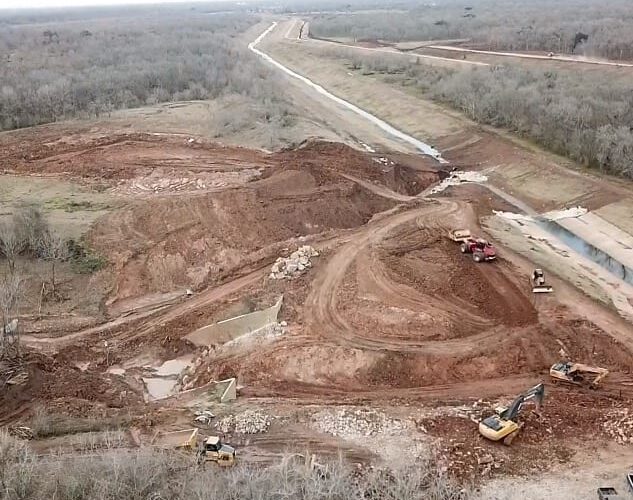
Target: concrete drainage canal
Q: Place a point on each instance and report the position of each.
(173, 375)
(586, 249)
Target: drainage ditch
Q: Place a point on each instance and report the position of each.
(581, 246)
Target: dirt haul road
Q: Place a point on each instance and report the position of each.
(455, 56)
(388, 314)
(536, 180)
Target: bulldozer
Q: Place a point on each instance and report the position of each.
(503, 425)
(538, 282)
(574, 373)
(213, 449)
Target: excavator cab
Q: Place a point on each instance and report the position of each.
(503, 425)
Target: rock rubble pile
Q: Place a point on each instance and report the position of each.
(247, 422)
(619, 425)
(295, 265)
(355, 423)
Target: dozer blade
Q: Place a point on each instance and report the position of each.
(542, 289)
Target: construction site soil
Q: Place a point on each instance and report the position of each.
(390, 313)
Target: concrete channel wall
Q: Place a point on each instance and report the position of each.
(233, 328)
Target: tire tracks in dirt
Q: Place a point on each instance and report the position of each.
(322, 303)
(156, 320)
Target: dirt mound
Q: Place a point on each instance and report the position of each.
(326, 160)
(187, 242)
(115, 155)
(56, 378)
(165, 242)
(426, 260)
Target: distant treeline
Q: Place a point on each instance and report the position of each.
(54, 71)
(589, 27)
(585, 116)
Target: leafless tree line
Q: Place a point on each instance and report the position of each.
(580, 115)
(53, 72)
(587, 27)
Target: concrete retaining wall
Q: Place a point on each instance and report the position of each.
(230, 329)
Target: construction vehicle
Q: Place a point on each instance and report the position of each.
(503, 424)
(481, 249)
(186, 439)
(213, 449)
(459, 235)
(574, 373)
(608, 494)
(538, 282)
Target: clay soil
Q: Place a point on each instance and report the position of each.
(391, 311)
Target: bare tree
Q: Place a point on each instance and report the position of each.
(11, 245)
(54, 249)
(11, 286)
(31, 228)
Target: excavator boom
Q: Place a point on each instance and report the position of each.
(536, 393)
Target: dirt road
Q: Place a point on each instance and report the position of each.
(390, 316)
(386, 127)
(556, 57)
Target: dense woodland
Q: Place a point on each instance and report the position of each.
(54, 71)
(584, 116)
(586, 27)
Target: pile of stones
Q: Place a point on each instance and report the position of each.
(356, 423)
(247, 422)
(619, 425)
(295, 265)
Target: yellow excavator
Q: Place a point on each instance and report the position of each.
(503, 425)
(574, 373)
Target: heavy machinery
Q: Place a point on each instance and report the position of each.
(574, 373)
(538, 282)
(481, 249)
(213, 449)
(503, 425)
(608, 493)
(459, 235)
(186, 439)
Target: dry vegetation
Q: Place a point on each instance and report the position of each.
(26, 238)
(150, 474)
(52, 70)
(498, 25)
(58, 70)
(579, 115)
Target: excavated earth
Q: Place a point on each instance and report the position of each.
(391, 314)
